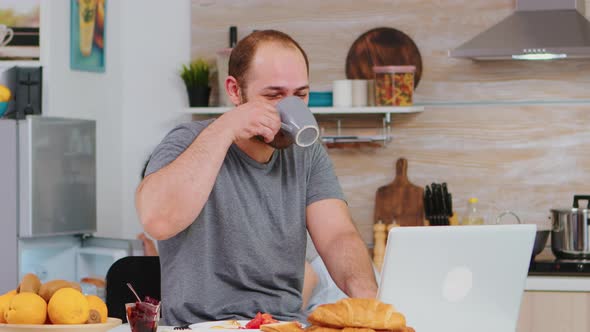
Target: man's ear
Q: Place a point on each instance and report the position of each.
(233, 90)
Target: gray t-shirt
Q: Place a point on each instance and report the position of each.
(245, 252)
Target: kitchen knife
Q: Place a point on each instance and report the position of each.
(443, 199)
(437, 203)
(427, 205)
(437, 200)
(447, 210)
(433, 210)
(450, 204)
(448, 201)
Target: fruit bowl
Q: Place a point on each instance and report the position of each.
(110, 323)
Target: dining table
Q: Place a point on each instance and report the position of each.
(125, 328)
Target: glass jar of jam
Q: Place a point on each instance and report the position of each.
(394, 85)
(143, 316)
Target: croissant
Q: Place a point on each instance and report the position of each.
(367, 313)
(282, 327)
(315, 328)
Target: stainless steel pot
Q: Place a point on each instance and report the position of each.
(570, 238)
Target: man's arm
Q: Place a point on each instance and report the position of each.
(170, 199)
(341, 248)
(310, 281)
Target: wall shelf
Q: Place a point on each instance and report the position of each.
(385, 136)
(320, 110)
(21, 63)
(356, 139)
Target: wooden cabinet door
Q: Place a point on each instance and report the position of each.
(554, 312)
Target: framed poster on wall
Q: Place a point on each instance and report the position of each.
(19, 29)
(87, 35)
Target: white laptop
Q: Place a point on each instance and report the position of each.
(457, 278)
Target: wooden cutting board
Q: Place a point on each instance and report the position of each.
(382, 47)
(400, 200)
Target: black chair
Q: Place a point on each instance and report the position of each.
(142, 272)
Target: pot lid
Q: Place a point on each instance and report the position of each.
(576, 205)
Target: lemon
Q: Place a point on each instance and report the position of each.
(68, 306)
(4, 303)
(94, 302)
(4, 93)
(26, 308)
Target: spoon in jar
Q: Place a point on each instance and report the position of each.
(134, 292)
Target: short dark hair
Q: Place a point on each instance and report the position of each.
(145, 165)
(243, 53)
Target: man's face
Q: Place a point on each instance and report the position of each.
(276, 72)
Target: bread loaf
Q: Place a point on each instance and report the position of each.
(361, 313)
(98, 282)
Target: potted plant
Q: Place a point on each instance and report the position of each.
(196, 79)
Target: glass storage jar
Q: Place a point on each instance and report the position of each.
(394, 85)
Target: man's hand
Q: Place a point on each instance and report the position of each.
(252, 119)
(149, 248)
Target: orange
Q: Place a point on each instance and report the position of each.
(68, 306)
(95, 302)
(26, 308)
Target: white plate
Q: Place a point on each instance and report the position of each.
(218, 326)
(213, 326)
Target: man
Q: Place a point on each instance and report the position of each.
(229, 200)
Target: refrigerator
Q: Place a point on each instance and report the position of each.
(48, 203)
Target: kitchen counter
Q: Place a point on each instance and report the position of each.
(557, 284)
(554, 283)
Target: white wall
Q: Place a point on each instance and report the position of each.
(156, 43)
(87, 95)
(133, 102)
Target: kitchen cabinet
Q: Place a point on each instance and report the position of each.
(337, 115)
(554, 312)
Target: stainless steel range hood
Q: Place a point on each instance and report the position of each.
(537, 30)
